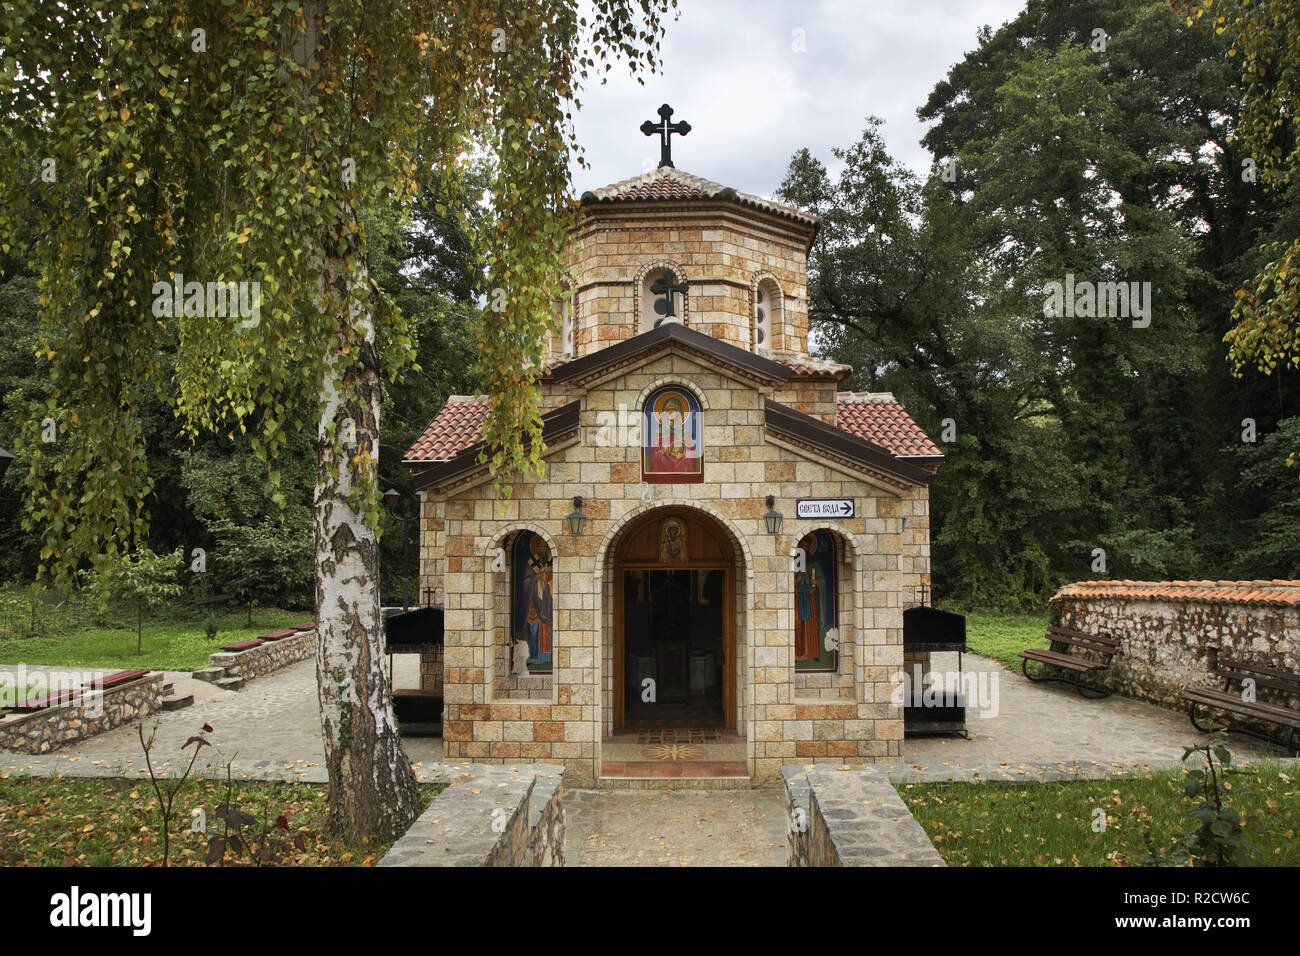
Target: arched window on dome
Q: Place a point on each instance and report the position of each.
(769, 306)
(663, 298)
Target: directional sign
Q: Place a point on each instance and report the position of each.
(825, 508)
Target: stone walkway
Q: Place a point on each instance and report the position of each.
(675, 827)
(1040, 731)
(271, 729)
(1048, 731)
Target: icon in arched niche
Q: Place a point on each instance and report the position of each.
(534, 601)
(814, 604)
(672, 437)
(672, 540)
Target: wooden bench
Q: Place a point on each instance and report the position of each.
(115, 679)
(278, 635)
(1062, 639)
(1280, 682)
(243, 645)
(305, 626)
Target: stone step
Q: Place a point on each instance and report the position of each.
(230, 683)
(674, 783)
(210, 674)
(168, 689)
(177, 701)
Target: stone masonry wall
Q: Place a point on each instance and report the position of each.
(42, 731)
(778, 715)
(851, 818)
(268, 657)
(1163, 642)
(722, 254)
(490, 816)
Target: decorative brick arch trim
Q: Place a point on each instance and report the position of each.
(738, 540)
(854, 541)
(639, 281)
(498, 539)
(679, 383)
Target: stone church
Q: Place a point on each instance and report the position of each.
(719, 554)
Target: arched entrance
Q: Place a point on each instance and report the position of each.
(674, 622)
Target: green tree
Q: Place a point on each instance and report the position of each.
(235, 142)
(144, 580)
(1265, 39)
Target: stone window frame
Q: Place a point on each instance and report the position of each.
(759, 282)
(503, 685)
(839, 685)
(570, 284)
(639, 282)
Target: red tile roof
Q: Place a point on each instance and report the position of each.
(455, 428)
(819, 367)
(669, 183)
(877, 417)
(1284, 593)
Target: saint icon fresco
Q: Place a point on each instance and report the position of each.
(671, 437)
(814, 593)
(533, 599)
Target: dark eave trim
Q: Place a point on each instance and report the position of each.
(785, 420)
(669, 334)
(555, 423)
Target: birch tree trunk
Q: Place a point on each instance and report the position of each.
(372, 789)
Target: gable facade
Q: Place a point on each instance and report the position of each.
(794, 650)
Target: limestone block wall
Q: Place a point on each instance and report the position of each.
(846, 717)
(722, 254)
(812, 396)
(1163, 639)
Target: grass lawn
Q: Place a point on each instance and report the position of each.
(74, 821)
(176, 645)
(1051, 824)
(1003, 636)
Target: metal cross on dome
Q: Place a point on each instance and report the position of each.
(665, 128)
(665, 286)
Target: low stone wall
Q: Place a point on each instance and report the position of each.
(42, 731)
(490, 816)
(1165, 628)
(851, 817)
(268, 657)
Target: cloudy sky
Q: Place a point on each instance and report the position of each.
(730, 70)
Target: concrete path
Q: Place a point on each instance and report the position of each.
(1047, 731)
(675, 827)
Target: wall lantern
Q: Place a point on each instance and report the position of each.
(773, 517)
(6, 459)
(576, 519)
